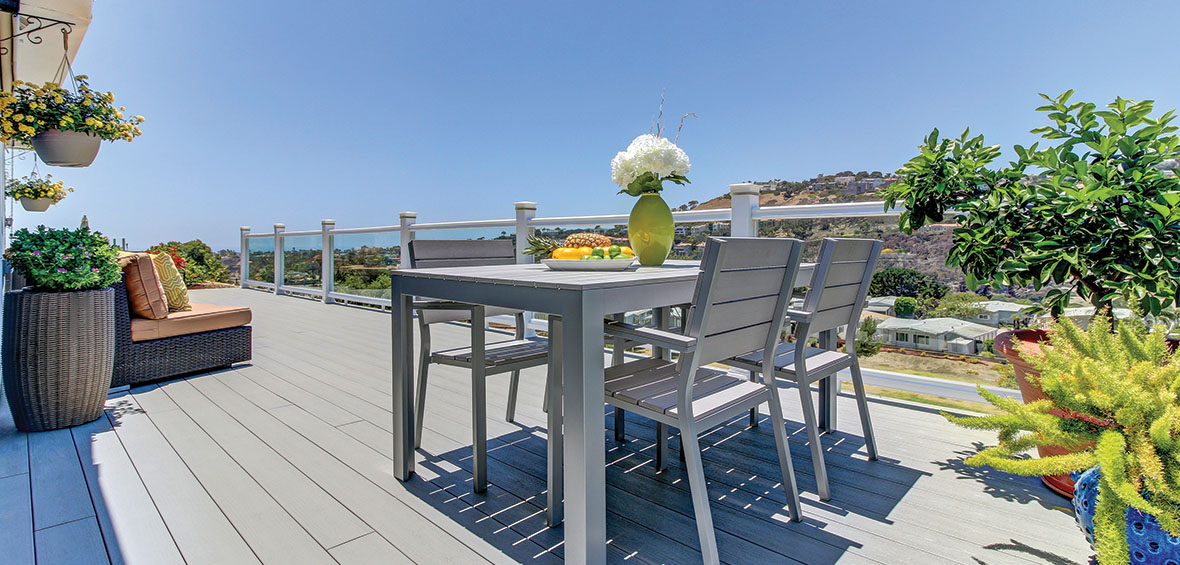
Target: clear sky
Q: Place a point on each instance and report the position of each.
(267, 111)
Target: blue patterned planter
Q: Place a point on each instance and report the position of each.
(1146, 540)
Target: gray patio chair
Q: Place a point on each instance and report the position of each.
(738, 307)
(481, 358)
(835, 297)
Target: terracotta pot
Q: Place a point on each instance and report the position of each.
(1030, 341)
(66, 148)
(36, 204)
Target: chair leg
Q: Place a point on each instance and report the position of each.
(862, 404)
(754, 410)
(817, 450)
(784, 455)
(554, 509)
(513, 385)
(423, 364)
(617, 357)
(661, 446)
(620, 425)
(700, 495)
(479, 422)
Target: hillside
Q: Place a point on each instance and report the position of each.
(924, 251)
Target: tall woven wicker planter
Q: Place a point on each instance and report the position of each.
(58, 354)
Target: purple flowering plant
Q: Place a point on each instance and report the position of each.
(50, 259)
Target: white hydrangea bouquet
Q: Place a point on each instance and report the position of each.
(647, 163)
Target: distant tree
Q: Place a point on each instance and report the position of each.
(862, 174)
(906, 307)
(693, 204)
(866, 345)
(959, 305)
(876, 174)
(899, 281)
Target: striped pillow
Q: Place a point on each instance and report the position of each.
(175, 291)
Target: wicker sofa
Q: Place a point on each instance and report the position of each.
(143, 361)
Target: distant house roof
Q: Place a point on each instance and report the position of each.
(1000, 306)
(882, 300)
(1087, 311)
(937, 326)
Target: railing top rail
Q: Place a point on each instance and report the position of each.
(803, 211)
(373, 229)
(471, 224)
(260, 234)
(300, 233)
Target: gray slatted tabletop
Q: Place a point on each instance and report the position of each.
(581, 299)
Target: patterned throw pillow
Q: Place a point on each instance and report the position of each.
(175, 290)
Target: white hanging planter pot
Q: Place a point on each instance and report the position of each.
(36, 204)
(66, 148)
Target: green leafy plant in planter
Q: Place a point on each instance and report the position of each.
(64, 259)
(1090, 212)
(1112, 397)
(59, 335)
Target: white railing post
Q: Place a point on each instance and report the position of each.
(327, 259)
(525, 211)
(406, 223)
(278, 258)
(743, 202)
(244, 257)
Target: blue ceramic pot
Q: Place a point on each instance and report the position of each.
(1147, 542)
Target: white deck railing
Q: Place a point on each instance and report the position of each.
(743, 216)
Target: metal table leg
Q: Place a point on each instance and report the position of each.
(403, 390)
(585, 447)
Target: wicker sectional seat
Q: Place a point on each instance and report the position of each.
(151, 350)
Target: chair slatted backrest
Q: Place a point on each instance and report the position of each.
(741, 295)
(840, 282)
(426, 253)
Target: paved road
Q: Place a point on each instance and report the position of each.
(928, 385)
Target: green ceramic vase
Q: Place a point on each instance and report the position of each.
(650, 229)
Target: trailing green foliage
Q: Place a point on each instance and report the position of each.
(1092, 210)
(1112, 397)
(64, 259)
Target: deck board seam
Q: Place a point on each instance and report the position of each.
(199, 482)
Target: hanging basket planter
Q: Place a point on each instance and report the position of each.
(66, 148)
(36, 194)
(36, 204)
(65, 127)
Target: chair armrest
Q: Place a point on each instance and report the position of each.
(798, 315)
(443, 305)
(643, 334)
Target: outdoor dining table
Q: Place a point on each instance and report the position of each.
(576, 434)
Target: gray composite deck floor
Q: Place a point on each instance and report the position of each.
(287, 460)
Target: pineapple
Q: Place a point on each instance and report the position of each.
(587, 240)
(542, 247)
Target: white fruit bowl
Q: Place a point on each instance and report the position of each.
(588, 264)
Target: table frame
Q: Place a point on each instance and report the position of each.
(577, 454)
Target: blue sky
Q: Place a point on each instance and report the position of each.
(266, 111)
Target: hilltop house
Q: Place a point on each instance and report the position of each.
(881, 304)
(936, 334)
(1081, 315)
(998, 313)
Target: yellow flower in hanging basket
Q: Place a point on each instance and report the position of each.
(34, 187)
(29, 110)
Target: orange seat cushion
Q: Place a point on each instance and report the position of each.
(202, 318)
